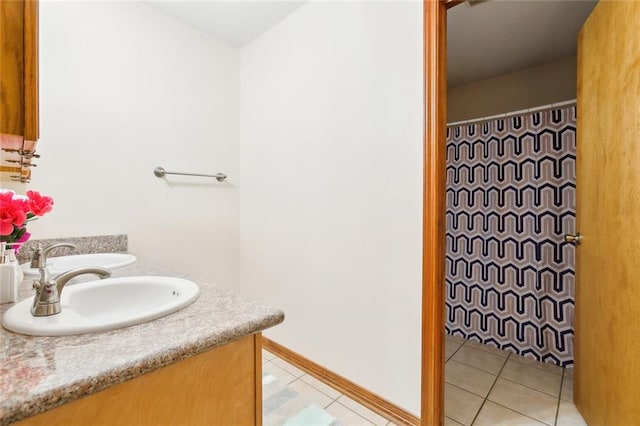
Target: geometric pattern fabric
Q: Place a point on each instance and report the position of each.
(510, 200)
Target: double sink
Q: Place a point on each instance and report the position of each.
(101, 305)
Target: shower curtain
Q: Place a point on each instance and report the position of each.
(510, 200)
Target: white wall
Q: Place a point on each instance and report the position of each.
(331, 181)
(329, 177)
(125, 88)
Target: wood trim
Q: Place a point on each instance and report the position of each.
(356, 392)
(10, 169)
(433, 260)
(450, 3)
(257, 346)
(12, 67)
(31, 89)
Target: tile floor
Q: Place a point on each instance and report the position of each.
(484, 386)
(489, 386)
(342, 408)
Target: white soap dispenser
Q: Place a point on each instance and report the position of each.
(9, 279)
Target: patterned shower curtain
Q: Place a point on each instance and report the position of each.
(510, 200)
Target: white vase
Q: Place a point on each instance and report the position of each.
(10, 274)
(11, 257)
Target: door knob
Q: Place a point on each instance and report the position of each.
(573, 239)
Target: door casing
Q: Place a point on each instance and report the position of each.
(433, 253)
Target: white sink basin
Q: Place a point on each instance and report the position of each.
(103, 305)
(58, 265)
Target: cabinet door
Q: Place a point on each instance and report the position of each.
(19, 128)
(221, 387)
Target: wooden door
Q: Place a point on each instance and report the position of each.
(607, 322)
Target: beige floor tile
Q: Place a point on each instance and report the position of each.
(321, 386)
(568, 372)
(493, 414)
(522, 399)
(363, 411)
(486, 348)
(450, 422)
(284, 412)
(279, 373)
(533, 377)
(468, 378)
(288, 367)
(479, 359)
(556, 369)
(267, 356)
(345, 416)
(450, 347)
(455, 339)
(310, 393)
(567, 389)
(460, 405)
(568, 415)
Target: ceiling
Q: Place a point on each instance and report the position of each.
(495, 37)
(486, 39)
(236, 22)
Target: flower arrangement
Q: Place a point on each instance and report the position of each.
(16, 211)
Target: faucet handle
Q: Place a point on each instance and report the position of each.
(39, 259)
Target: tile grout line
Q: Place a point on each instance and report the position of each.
(278, 367)
(562, 375)
(487, 396)
(295, 374)
(484, 401)
(333, 400)
(509, 354)
(537, 390)
(515, 358)
(468, 391)
(559, 398)
(328, 396)
(454, 352)
(487, 346)
(522, 414)
(357, 414)
(473, 366)
(536, 366)
(304, 381)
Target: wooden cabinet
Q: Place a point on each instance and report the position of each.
(220, 387)
(19, 127)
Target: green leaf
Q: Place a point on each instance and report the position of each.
(20, 232)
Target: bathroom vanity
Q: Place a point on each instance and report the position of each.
(200, 365)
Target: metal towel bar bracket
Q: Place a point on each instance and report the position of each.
(161, 172)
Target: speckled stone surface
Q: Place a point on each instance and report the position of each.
(100, 244)
(40, 373)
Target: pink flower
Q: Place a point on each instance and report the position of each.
(38, 204)
(16, 211)
(6, 196)
(12, 212)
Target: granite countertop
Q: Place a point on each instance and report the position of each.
(41, 373)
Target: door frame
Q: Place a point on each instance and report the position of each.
(434, 204)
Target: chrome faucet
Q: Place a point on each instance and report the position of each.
(47, 299)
